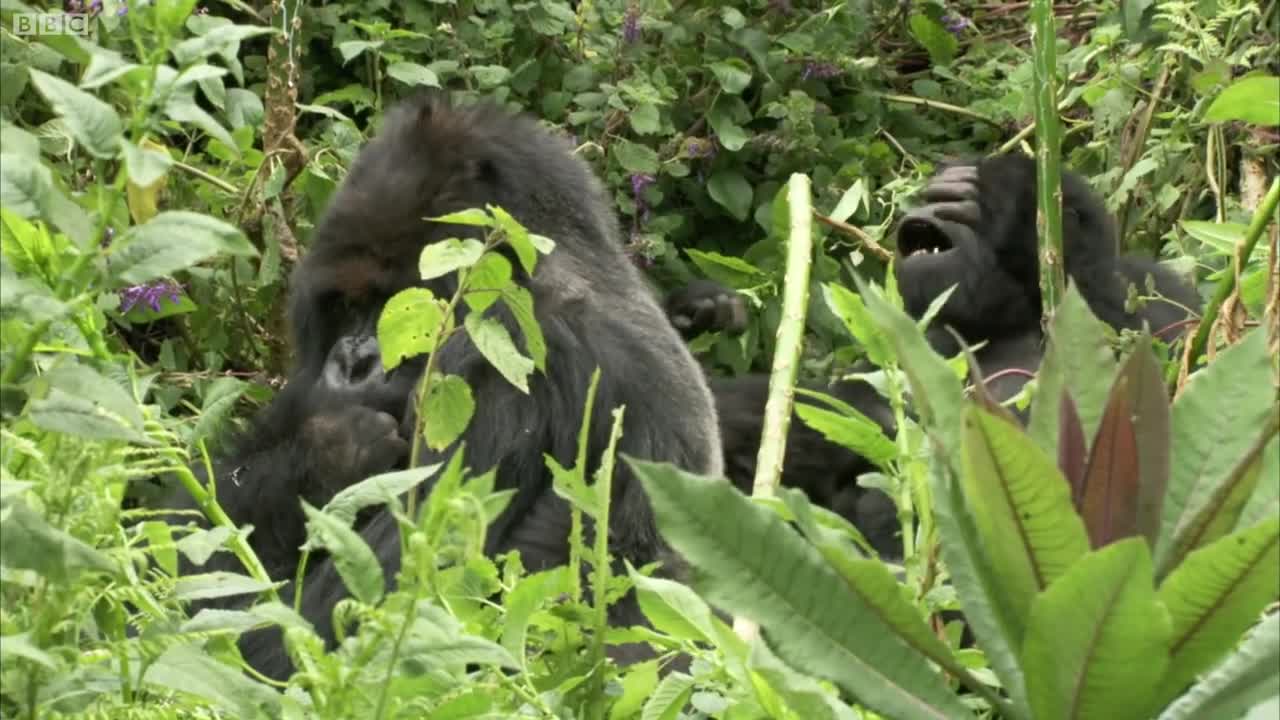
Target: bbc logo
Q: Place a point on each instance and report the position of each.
(51, 23)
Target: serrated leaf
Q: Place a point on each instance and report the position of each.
(519, 302)
(413, 74)
(449, 409)
(1265, 499)
(732, 192)
(669, 698)
(105, 65)
(1248, 677)
(82, 402)
(147, 164)
(93, 123)
(494, 342)
(635, 158)
(1076, 356)
(376, 490)
(1021, 507)
(171, 241)
(802, 694)
(409, 325)
(848, 306)
(644, 119)
(1208, 443)
(352, 557)
(1254, 99)
(200, 545)
(29, 542)
(222, 40)
(219, 400)
(488, 277)
(446, 256)
(523, 600)
(725, 269)
(1097, 638)
(673, 608)
(1214, 596)
(25, 185)
(856, 432)
(185, 670)
(753, 564)
(1220, 237)
(207, 586)
(19, 645)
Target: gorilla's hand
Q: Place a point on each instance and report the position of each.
(950, 216)
(703, 306)
(344, 446)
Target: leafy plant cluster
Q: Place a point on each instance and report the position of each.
(1117, 551)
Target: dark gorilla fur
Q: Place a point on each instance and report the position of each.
(340, 418)
(980, 219)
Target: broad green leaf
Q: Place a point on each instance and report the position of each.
(147, 163)
(25, 185)
(1249, 676)
(849, 307)
(530, 593)
(673, 608)
(1214, 596)
(1021, 506)
(446, 256)
(25, 297)
(215, 620)
(352, 49)
(731, 135)
(186, 670)
(732, 192)
(855, 197)
(1254, 99)
(376, 490)
(519, 238)
(219, 400)
(753, 564)
(1215, 423)
(29, 542)
(638, 685)
(635, 158)
(940, 44)
(802, 694)
(19, 645)
(1265, 500)
(520, 302)
(475, 217)
(725, 269)
(644, 119)
(487, 279)
(669, 698)
(1220, 237)
(181, 108)
(1078, 359)
(82, 402)
(222, 40)
(733, 74)
(1097, 639)
(409, 325)
(159, 536)
(448, 411)
(207, 586)
(352, 556)
(494, 342)
(438, 635)
(171, 241)
(200, 545)
(935, 389)
(490, 76)
(413, 74)
(93, 123)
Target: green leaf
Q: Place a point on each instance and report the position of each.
(475, 217)
(940, 44)
(732, 192)
(13, 647)
(207, 586)
(160, 542)
(413, 74)
(222, 40)
(1214, 596)
(530, 593)
(520, 239)
(1021, 507)
(352, 556)
(673, 608)
(638, 684)
(1215, 424)
(448, 411)
(490, 76)
(1265, 500)
(352, 49)
(1220, 237)
(1249, 676)
(802, 694)
(644, 119)
(29, 542)
(409, 325)
(1097, 640)
(520, 302)
(186, 670)
(733, 74)
(1077, 357)
(635, 158)
(1254, 99)
(752, 563)
(854, 431)
(93, 123)
(376, 490)
(25, 185)
(494, 342)
(669, 698)
(731, 135)
(219, 401)
(446, 256)
(486, 282)
(147, 165)
(848, 306)
(171, 241)
(726, 269)
(855, 197)
(82, 402)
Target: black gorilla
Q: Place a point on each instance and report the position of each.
(340, 418)
(976, 231)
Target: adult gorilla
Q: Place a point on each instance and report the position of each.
(976, 231)
(340, 418)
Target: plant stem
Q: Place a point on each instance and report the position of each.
(1048, 157)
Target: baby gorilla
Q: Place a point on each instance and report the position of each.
(341, 418)
(976, 231)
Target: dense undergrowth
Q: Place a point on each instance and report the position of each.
(160, 176)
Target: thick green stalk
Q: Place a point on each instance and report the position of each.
(1048, 156)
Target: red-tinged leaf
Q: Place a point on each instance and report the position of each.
(1073, 455)
(1149, 404)
(1110, 499)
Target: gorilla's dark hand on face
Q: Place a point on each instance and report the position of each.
(706, 306)
(341, 418)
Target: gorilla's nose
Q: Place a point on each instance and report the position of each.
(360, 362)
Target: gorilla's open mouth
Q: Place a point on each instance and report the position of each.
(921, 236)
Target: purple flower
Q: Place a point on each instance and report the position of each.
(639, 182)
(818, 70)
(955, 23)
(631, 24)
(695, 147)
(150, 293)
